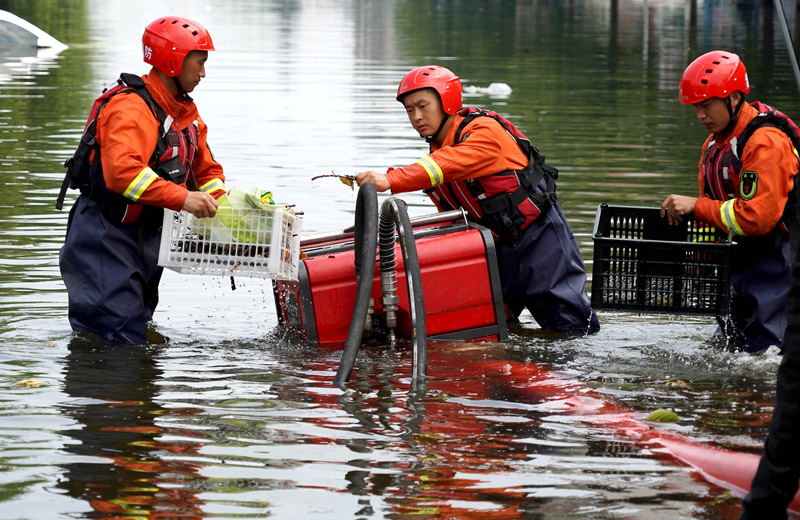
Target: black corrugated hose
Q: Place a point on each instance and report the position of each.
(394, 214)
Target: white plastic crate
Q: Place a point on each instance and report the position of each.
(263, 243)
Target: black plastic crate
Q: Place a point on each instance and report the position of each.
(641, 263)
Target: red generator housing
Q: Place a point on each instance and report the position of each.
(460, 284)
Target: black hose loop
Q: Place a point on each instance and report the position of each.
(365, 245)
(398, 212)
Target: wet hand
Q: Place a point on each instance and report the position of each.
(379, 180)
(675, 206)
(200, 204)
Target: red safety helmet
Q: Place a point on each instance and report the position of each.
(168, 40)
(714, 74)
(438, 78)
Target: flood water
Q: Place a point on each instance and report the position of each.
(228, 420)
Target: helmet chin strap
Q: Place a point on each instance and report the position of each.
(733, 113)
(181, 91)
(432, 138)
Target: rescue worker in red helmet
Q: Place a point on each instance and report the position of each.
(480, 162)
(150, 152)
(746, 171)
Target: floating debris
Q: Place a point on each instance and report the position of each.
(663, 416)
(676, 384)
(29, 383)
(349, 180)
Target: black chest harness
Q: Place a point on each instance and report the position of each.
(171, 159)
(506, 202)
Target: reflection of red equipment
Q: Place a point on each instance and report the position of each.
(460, 282)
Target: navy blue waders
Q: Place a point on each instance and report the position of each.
(111, 273)
(544, 272)
(758, 301)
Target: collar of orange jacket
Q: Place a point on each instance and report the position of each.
(746, 114)
(183, 111)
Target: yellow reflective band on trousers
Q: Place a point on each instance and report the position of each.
(139, 184)
(434, 172)
(212, 185)
(729, 217)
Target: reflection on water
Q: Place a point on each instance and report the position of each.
(121, 463)
(227, 419)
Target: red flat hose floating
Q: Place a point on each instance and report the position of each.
(729, 469)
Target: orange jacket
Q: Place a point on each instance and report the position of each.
(485, 149)
(770, 154)
(127, 133)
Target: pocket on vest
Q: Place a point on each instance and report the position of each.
(503, 217)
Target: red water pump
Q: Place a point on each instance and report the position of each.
(459, 277)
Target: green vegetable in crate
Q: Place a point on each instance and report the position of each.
(226, 226)
(242, 218)
(258, 198)
(259, 219)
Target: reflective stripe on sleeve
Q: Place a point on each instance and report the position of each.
(212, 185)
(434, 172)
(729, 217)
(140, 183)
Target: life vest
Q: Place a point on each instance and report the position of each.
(722, 166)
(171, 159)
(506, 202)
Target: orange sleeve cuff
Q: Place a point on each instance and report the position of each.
(707, 210)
